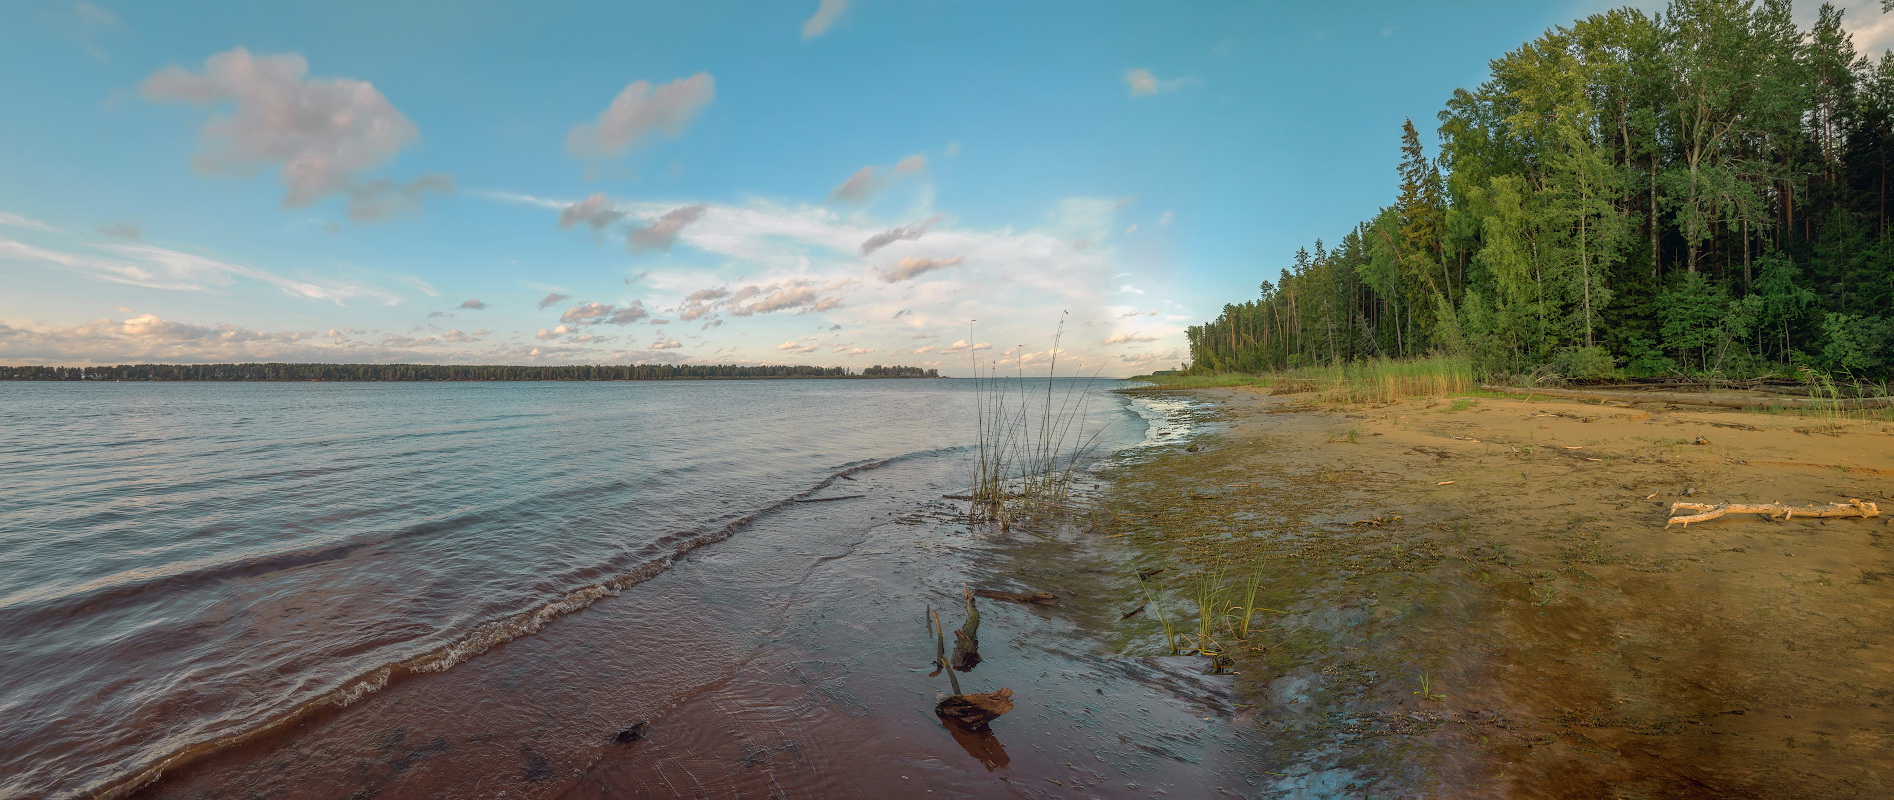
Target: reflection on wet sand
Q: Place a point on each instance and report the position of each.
(983, 745)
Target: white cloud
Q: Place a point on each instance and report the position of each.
(156, 267)
(666, 344)
(595, 211)
(147, 338)
(1128, 338)
(595, 313)
(1165, 218)
(858, 188)
(323, 131)
(638, 112)
(18, 221)
(914, 266)
(908, 232)
(762, 261)
(868, 181)
(663, 231)
(1141, 82)
(826, 12)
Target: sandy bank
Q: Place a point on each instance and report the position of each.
(1480, 600)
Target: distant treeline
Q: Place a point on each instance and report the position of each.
(1704, 190)
(439, 372)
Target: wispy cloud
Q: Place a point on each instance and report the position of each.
(908, 232)
(869, 181)
(662, 232)
(156, 267)
(639, 112)
(595, 211)
(595, 313)
(773, 260)
(1141, 82)
(17, 221)
(826, 12)
(914, 266)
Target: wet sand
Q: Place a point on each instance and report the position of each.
(789, 661)
(1482, 600)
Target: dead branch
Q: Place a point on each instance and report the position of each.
(1775, 511)
(1034, 598)
(975, 711)
(828, 499)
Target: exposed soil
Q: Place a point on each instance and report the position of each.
(1478, 598)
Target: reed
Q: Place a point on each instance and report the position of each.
(1155, 601)
(1031, 440)
(1376, 380)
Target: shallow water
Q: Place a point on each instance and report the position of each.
(188, 564)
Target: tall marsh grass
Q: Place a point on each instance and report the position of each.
(1378, 380)
(1032, 437)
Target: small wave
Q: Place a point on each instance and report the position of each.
(649, 561)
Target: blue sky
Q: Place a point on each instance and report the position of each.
(825, 182)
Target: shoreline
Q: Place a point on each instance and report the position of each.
(1456, 597)
(790, 659)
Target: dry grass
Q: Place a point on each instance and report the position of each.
(1379, 380)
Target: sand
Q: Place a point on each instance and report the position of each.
(1478, 598)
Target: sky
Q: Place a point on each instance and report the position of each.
(935, 183)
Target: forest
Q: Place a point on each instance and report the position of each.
(1700, 192)
(436, 372)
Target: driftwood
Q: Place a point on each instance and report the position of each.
(1776, 511)
(975, 711)
(829, 499)
(1748, 403)
(940, 651)
(967, 637)
(1034, 598)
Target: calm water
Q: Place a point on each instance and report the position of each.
(185, 563)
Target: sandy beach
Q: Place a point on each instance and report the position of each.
(1479, 598)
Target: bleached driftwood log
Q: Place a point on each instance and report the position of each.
(1776, 511)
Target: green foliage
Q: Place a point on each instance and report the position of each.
(1585, 363)
(1704, 190)
(1855, 344)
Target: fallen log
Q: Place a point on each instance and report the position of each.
(1775, 511)
(1744, 403)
